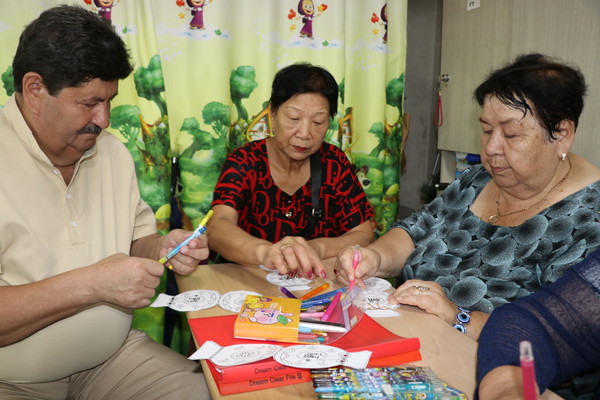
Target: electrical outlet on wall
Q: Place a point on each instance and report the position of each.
(473, 4)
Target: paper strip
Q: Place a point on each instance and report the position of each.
(234, 355)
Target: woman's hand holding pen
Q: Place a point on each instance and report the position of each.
(190, 255)
(293, 255)
(367, 264)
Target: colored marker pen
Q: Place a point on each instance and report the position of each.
(331, 307)
(287, 293)
(315, 315)
(315, 291)
(322, 299)
(355, 262)
(196, 234)
(527, 370)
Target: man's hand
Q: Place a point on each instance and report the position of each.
(188, 258)
(126, 281)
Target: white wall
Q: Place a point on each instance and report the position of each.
(422, 70)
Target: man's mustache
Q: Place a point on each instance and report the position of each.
(91, 128)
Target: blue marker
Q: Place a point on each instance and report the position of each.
(323, 299)
(196, 234)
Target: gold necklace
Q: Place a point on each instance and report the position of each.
(495, 217)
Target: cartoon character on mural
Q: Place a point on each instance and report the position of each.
(306, 8)
(306, 14)
(385, 21)
(197, 10)
(104, 8)
(381, 21)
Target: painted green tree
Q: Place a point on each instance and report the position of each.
(126, 120)
(7, 81)
(381, 166)
(150, 147)
(242, 83)
(202, 160)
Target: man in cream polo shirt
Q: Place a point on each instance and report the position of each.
(78, 246)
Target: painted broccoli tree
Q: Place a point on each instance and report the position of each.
(382, 164)
(242, 83)
(7, 81)
(392, 154)
(149, 145)
(339, 130)
(126, 119)
(201, 161)
(155, 148)
(150, 84)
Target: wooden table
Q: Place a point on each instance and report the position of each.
(450, 354)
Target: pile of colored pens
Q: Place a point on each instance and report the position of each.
(319, 316)
(400, 383)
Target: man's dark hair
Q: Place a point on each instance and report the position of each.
(554, 89)
(304, 78)
(68, 46)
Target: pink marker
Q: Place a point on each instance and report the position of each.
(355, 262)
(331, 307)
(315, 315)
(527, 370)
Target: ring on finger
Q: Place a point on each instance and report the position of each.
(285, 246)
(421, 288)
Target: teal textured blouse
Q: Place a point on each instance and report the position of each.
(482, 266)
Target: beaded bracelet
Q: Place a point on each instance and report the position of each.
(462, 318)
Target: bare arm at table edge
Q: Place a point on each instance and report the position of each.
(236, 245)
(119, 279)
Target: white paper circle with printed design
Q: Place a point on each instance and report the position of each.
(377, 305)
(195, 300)
(284, 280)
(244, 354)
(233, 301)
(377, 284)
(378, 300)
(321, 356)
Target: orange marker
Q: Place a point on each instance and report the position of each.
(315, 291)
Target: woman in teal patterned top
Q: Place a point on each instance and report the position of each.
(503, 229)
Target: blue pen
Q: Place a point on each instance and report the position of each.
(196, 234)
(322, 299)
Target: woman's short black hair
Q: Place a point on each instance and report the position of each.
(304, 78)
(69, 45)
(554, 90)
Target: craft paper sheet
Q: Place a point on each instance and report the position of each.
(195, 300)
(291, 283)
(321, 356)
(377, 284)
(233, 301)
(299, 356)
(192, 300)
(377, 305)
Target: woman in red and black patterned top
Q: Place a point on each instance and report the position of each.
(262, 202)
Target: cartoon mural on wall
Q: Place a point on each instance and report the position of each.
(306, 14)
(196, 94)
(197, 11)
(381, 23)
(104, 8)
